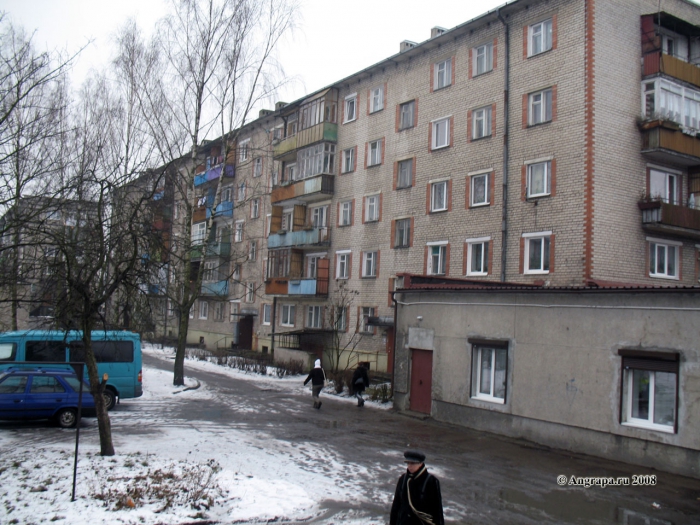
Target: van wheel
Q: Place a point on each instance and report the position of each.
(67, 418)
(110, 398)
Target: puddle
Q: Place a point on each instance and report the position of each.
(332, 424)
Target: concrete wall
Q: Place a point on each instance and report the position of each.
(564, 371)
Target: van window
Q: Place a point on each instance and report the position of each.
(105, 351)
(8, 351)
(45, 351)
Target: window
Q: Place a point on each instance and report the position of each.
(316, 160)
(253, 252)
(236, 276)
(241, 192)
(375, 153)
(539, 179)
(226, 194)
(249, 292)
(198, 233)
(369, 264)
(243, 150)
(287, 220)
(365, 313)
(483, 59)
(238, 232)
(663, 186)
(312, 265)
(290, 172)
(287, 318)
(266, 313)
(489, 366)
(258, 167)
(218, 311)
(319, 217)
(437, 259)
(443, 74)
(649, 390)
(404, 176)
(350, 107)
(540, 107)
(340, 319)
(537, 252)
(402, 233)
(203, 309)
(348, 160)
(540, 37)
(663, 258)
(209, 273)
(479, 190)
(314, 317)
(345, 215)
(372, 208)
(376, 100)
(45, 385)
(441, 133)
(407, 115)
(481, 123)
(477, 261)
(438, 196)
(255, 208)
(342, 270)
(192, 312)
(233, 312)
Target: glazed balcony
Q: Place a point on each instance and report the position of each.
(212, 249)
(306, 190)
(309, 237)
(297, 287)
(665, 142)
(659, 63)
(670, 219)
(217, 288)
(322, 132)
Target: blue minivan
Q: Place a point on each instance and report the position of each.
(118, 355)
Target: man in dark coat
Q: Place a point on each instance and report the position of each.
(360, 381)
(317, 377)
(417, 500)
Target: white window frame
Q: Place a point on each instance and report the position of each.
(257, 167)
(255, 208)
(319, 216)
(191, 314)
(312, 264)
(199, 231)
(482, 59)
(365, 313)
(266, 314)
(481, 256)
(372, 204)
(437, 258)
(628, 401)
(226, 194)
(404, 174)
(374, 157)
(665, 247)
(203, 309)
(250, 292)
(540, 37)
(209, 271)
(443, 74)
(369, 263)
(436, 189)
(234, 307)
(376, 101)
(243, 149)
(544, 248)
(218, 311)
(340, 320)
(350, 104)
(241, 192)
(349, 160)
(407, 115)
(403, 239)
(481, 123)
(531, 168)
(342, 268)
(441, 126)
(477, 199)
(238, 231)
(540, 107)
(479, 358)
(253, 251)
(314, 316)
(670, 185)
(287, 315)
(345, 218)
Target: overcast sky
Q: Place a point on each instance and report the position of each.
(332, 41)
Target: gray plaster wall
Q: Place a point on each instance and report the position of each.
(564, 371)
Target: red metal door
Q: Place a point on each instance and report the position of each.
(421, 381)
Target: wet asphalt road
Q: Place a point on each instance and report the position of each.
(485, 478)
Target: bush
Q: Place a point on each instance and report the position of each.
(380, 393)
(290, 368)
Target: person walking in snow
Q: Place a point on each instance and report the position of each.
(417, 500)
(317, 377)
(360, 381)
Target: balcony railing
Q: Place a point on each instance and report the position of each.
(214, 173)
(308, 190)
(670, 219)
(219, 288)
(214, 249)
(312, 237)
(325, 131)
(665, 142)
(658, 62)
(223, 209)
(307, 287)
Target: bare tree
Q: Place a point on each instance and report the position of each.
(343, 340)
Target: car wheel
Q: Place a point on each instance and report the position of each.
(110, 398)
(67, 418)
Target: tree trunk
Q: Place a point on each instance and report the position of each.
(96, 388)
(179, 370)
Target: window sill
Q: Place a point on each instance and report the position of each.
(537, 197)
(371, 221)
(539, 124)
(477, 274)
(480, 205)
(490, 399)
(376, 111)
(346, 172)
(665, 277)
(344, 225)
(477, 75)
(369, 277)
(438, 211)
(404, 188)
(648, 426)
(350, 121)
(406, 128)
(341, 278)
(529, 55)
(536, 272)
(401, 247)
(373, 165)
(439, 148)
(441, 88)
(477, 139)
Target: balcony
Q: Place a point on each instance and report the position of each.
(325, 131)
(670, 219)
(214, 173)
(224, 209)
(219, 288)
(306, 190)
(665, 142)
(659, 63)
(213, 249)
(311, 237)
(295, 287)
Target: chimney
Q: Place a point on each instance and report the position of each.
(279, 105)
(437, 31)
(265, 113)
(406, 45)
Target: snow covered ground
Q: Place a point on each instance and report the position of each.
(168, 480)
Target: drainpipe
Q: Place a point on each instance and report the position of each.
(393, 365)
(274, 311)
(506, 109)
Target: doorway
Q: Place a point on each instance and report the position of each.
(421, 381)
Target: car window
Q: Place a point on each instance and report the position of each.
(45, 385)
(7, 351)
(75, 384)
(13, 385)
